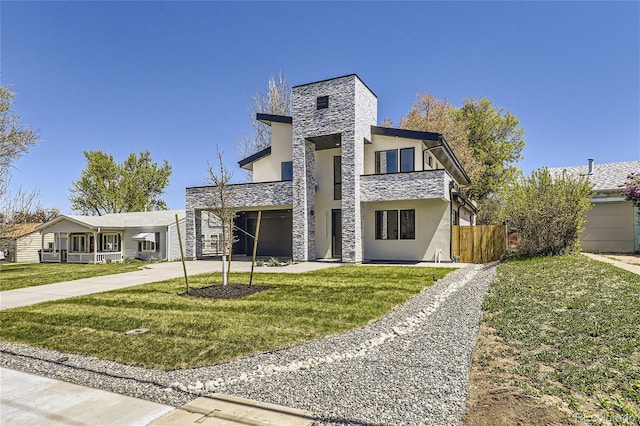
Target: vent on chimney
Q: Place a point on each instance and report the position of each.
(590, 165)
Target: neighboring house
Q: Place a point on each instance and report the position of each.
(613, 224)
(21, 242)
(334, 185)
(113, 237)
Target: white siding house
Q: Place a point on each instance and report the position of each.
(20, 243)
(113, 237)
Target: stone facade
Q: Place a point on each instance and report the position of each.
(243, 196)
(405, 186)
(351, 112)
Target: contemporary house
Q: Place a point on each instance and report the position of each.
(21, 242)
(334, 185)
(112, 237)
(613, 224)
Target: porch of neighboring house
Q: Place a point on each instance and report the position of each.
(81, 247)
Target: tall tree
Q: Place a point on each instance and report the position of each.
(108, 187)
(276, 100)
(431, 114)
(497, 142)
(15, 141)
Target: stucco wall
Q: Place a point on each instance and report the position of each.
(268, 169)
(609, 228)
(432, 232)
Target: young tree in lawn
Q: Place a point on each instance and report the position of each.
(220, 201)
(106, 186)
(15, 141)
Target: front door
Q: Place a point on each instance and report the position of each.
(336, 233)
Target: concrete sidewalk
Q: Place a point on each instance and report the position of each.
(622, 265)
(150, 273)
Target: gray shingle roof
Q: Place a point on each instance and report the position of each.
(605, 177)
(126, 220)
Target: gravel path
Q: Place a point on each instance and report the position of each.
(410, 367)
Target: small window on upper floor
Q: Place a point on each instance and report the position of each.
(322, 102)
(287, 170)
(430, 161)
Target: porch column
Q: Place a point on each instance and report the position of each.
(41, 247)
(95, 247)
(121, 245)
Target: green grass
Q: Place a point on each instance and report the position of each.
(573, 326)
(24, 275)
(187, 332)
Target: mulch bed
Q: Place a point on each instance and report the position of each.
(229, 291)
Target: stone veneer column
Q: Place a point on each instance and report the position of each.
(352, 111)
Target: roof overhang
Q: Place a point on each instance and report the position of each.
(247, 163)
(269, 119)
(327, 141)
(435, 143)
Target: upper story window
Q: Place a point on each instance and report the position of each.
(430, 160)
(407, 159)
(322, 102)
(287, 170)
(337, 177)
(387, 161)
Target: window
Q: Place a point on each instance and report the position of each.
(147, 245)
(407, 159)
(78, 243)
(337, 178)
(387, 161)
(430, 160)
(50, 246)
(387, 225)
(287, 170)
(110, 242)
(322, 102)
(407, 224)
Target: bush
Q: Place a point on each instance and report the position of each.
(547, 213)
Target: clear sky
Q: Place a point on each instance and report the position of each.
(176, 78)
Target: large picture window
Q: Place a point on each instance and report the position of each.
(387, 161)
(388, 227)
(110, 242)
(151, 246)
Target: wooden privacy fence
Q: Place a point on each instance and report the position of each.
(479, 244)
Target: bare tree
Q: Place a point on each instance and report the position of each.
(276, 100)
(220, 202)
(15, 141)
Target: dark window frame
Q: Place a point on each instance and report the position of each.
(322, 102)
(407, 229)
(282, 170)
(386, 226)
(405, 151)
(378, 157)
(337, 177)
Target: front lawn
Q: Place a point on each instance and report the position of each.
(188, 332)
(565, 331)
(23, 275)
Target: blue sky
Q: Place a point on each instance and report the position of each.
(176, 78)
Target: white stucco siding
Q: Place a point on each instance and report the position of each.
(383, 143)
(609, 228)
(27, 247)
(324, 202)
(268, 169)
(432, 231)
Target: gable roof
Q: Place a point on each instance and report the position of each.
(18, 230)
(122, 220)
(605, 177)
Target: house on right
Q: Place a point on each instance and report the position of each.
(613, 224)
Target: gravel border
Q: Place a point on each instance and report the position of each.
(409, 367)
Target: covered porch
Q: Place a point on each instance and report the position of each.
(85, 247)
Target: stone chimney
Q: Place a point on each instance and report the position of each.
(590, 159)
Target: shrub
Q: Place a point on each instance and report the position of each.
(547, 213)
(631, 188)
